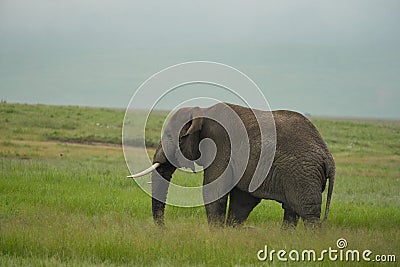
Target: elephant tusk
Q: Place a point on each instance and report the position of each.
(150, 169)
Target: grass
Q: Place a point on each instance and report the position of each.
(64, 200)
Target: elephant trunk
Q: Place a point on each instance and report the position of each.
(160, 183)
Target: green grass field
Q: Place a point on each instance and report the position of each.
(65, 201)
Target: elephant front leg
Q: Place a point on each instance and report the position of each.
(240, 205)
(215, 195)
(216, 212)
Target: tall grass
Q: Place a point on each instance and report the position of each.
(66, 204)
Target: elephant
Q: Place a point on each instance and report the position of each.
(300, 167)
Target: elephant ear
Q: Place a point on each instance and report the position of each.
(197, 120)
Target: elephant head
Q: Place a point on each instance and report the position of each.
(181, 136)
(179, 147)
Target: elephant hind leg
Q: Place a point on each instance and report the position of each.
(311, 219)
(305, 199)
(240, 205)
(290, 217)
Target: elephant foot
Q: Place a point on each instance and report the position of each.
(312, 223)
(249, 227)
(216, 223)
(288, 225)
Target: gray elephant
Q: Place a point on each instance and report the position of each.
(296, 178)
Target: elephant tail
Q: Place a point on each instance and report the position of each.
(331, 176)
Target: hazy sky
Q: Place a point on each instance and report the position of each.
(338, 58)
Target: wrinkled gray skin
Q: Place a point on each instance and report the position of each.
(297, 178)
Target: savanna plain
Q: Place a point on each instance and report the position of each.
(65, 201)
